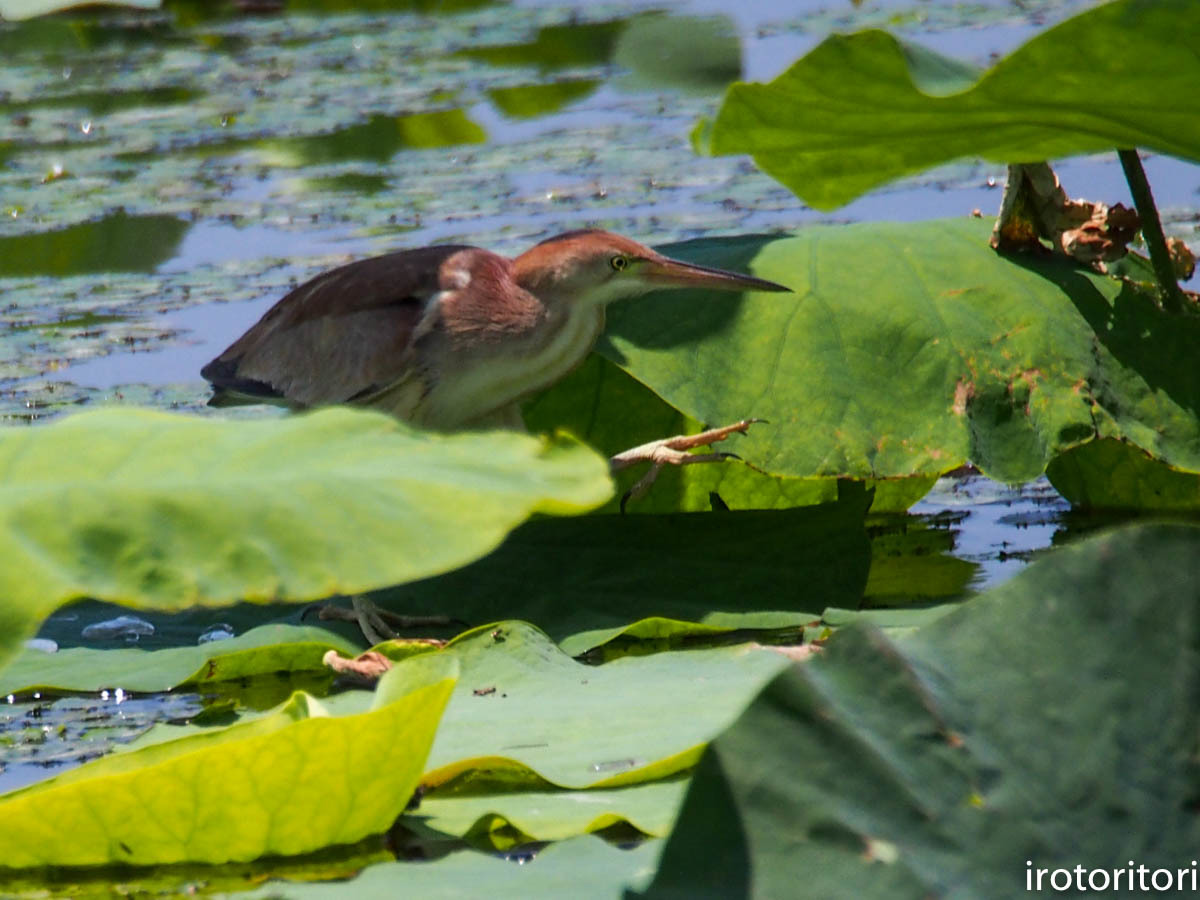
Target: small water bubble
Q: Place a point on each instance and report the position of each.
(119, 695)
(218, 632)
(104, 694)
(37, 695)
(11, 698)
(86, 126)
(128, 627)
(66, 73)
(991, 182)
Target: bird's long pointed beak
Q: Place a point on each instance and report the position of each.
(673, 273)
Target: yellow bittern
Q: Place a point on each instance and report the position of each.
(454, 337)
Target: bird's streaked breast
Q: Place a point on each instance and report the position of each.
(516, 368)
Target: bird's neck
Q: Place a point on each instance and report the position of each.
(504, 344)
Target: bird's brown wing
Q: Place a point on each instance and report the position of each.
(343, 335)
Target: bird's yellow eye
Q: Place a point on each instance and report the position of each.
(619, 263)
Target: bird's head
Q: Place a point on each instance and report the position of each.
(595, 267)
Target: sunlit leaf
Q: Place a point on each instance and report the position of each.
(526, 716)
(150, 509)
(613, 411)
(863, 109)
(502, 820)
(524, 711)
(256, 788)
(908, 349)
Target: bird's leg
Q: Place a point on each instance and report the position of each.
(673, 451)
(377, 624)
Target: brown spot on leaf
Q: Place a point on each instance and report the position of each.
(963, 392)
(1029, 376)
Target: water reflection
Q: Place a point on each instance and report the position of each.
(117, 243)
(701, 56)
(378, 139)
(556, 47)
(529, 101)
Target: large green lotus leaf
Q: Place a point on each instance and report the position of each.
(256, 788)
(613, 411)
(150, 509)
(910, 348)
(525, 712)
(269, 648)
(513, 818)
(747, 569)
(863, 109)
(585, 868)
(1051, 721)
(525, 715)
(1111, 475)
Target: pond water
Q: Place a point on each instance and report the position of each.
(165, 178)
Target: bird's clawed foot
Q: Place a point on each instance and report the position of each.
(673, 451)
(377, 624)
